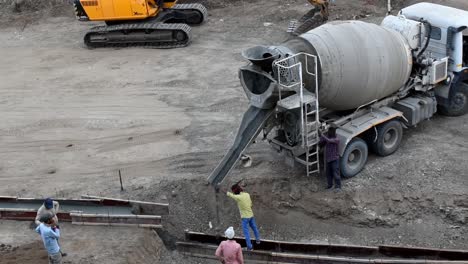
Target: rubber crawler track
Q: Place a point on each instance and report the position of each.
(195, 6)
(309, 24)
(153, 27)
(150, 28)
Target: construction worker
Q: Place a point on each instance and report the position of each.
(332, 158)
(49, 207)
(50, 233)
(229, 251)
(245, 207)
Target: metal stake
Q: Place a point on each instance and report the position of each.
(121, 185)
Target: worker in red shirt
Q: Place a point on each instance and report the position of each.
(229, 251)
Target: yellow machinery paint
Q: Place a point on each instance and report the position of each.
(105, 10)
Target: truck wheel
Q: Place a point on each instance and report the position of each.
(354, 158)
(389, 136)
(458, 102)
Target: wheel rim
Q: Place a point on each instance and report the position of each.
(459, 101)
(355, 159)
(179, 36)
(390, 138)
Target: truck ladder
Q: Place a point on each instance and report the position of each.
(312, 124)
(289, 73)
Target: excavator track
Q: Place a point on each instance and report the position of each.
(310, 23)
(194, 7)
(152, 35)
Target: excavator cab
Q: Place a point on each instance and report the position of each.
(323, 6)
(156, 23)
(110, 10)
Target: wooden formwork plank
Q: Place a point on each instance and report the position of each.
(124, 220)
(86, 211)
(27, 214)
(141, 207)
(8, 198)
(424, 252)
(306, 250)
(293, 247)
(259, 256)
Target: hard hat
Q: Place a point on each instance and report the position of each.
(229, 233)
(49, 203)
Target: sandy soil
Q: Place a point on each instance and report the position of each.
(83, 245)
(72, 117)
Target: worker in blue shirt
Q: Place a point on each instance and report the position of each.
(50, 233)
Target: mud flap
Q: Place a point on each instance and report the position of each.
(252, 123)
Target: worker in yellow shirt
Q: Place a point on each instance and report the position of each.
(245, 207)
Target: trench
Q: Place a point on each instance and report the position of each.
(300, 210)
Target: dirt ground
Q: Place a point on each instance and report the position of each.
(72, 117)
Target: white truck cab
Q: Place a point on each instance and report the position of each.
(448, 39)
(449, 35)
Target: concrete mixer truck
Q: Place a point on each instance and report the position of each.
(370, 81)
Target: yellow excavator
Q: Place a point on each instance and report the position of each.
(314, 18)
(154, 23)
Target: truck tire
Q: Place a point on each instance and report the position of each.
(458, 101)
(354, 158)
(389, 135)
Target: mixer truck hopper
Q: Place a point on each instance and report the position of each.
(370, 81)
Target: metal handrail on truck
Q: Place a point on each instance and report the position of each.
(295, 82)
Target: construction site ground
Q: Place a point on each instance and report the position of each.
(72, 117)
